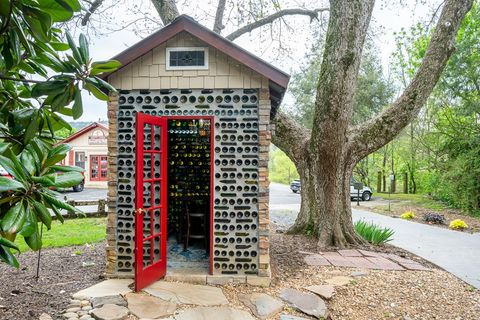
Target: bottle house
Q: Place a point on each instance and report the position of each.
(188, 144)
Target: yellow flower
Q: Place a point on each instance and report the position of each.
(408, 215)
(458, 224)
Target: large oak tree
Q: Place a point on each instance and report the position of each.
(326, 155)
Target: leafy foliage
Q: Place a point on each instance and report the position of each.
(32, 111)
(434, 218)
(281, 168)
(373, 233)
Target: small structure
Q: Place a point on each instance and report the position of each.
(89, 151)
(189, 136)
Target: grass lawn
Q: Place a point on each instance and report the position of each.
(419, 200)
(71, 232)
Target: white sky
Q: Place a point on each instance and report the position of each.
(388, 17)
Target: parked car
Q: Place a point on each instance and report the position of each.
(365, 193)
(295, 186)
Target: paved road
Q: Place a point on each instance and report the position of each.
(456, 252)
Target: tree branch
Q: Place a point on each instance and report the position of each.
(19, 80)
(167, 10)
(93, 7)
(378, 131)
(313, 14)
(218, 25)
(290, 136)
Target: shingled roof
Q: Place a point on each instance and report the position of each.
(278, 80)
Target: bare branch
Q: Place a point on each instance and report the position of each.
(290, 136)
(93, 7)
(313, 14)
(378, 131)
(218, 25)
(167, 10)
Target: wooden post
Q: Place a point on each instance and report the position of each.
(405, 182)
(101, 207)
(379, 181)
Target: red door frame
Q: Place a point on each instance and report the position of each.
(212, 187)
(99, 175)
(157, 269)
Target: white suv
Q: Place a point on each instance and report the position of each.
(365, 193)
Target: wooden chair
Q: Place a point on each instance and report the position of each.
(197, 222)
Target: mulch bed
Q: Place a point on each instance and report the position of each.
(380, 294)
(449, 214)
(24, 297)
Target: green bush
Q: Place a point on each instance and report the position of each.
(373, 233)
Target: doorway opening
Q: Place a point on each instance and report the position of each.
(190, 194)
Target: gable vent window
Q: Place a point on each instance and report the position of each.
(187, 58)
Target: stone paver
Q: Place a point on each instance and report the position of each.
(325, 291)
(110, 312)
(214, 313)
(262, 305)
(316, 260)
(290, 317)
(108, 287)
(350, 253)
(184, 293)
(97, 302)
(305, 302)
(384, 263)
(45, 316)
(145, 306)
(339, 281)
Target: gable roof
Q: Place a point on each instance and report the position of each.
(278, 78)
(84, 130)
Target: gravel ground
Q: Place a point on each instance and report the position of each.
(402, 295)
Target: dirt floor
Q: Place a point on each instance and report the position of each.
(398, 207)
(402, 295)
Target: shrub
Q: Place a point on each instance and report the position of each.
(373, 233)
(407, 215)
(458, 224)
(434, 218)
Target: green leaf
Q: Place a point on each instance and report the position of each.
(12, 168)
(34, 241)
(7, 243)
(76, 53)
(49, 88)
(99, 94)
(104, 66)
(58, 203)
(30, 225)
(28, 161)
(84, 47)
(57, 154)
(7, 257)
(67, 168)
(77, 109)
(68, 179)
(46, 181)
(58, 12)
(43, 214)
(105, 85)
(39, 23)
(32, 128)
(56, 211)
(59, 46)
(7, 184)
(14, 219)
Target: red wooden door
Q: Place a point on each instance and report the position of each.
(150, 200)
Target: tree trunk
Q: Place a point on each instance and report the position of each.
(325, 210)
